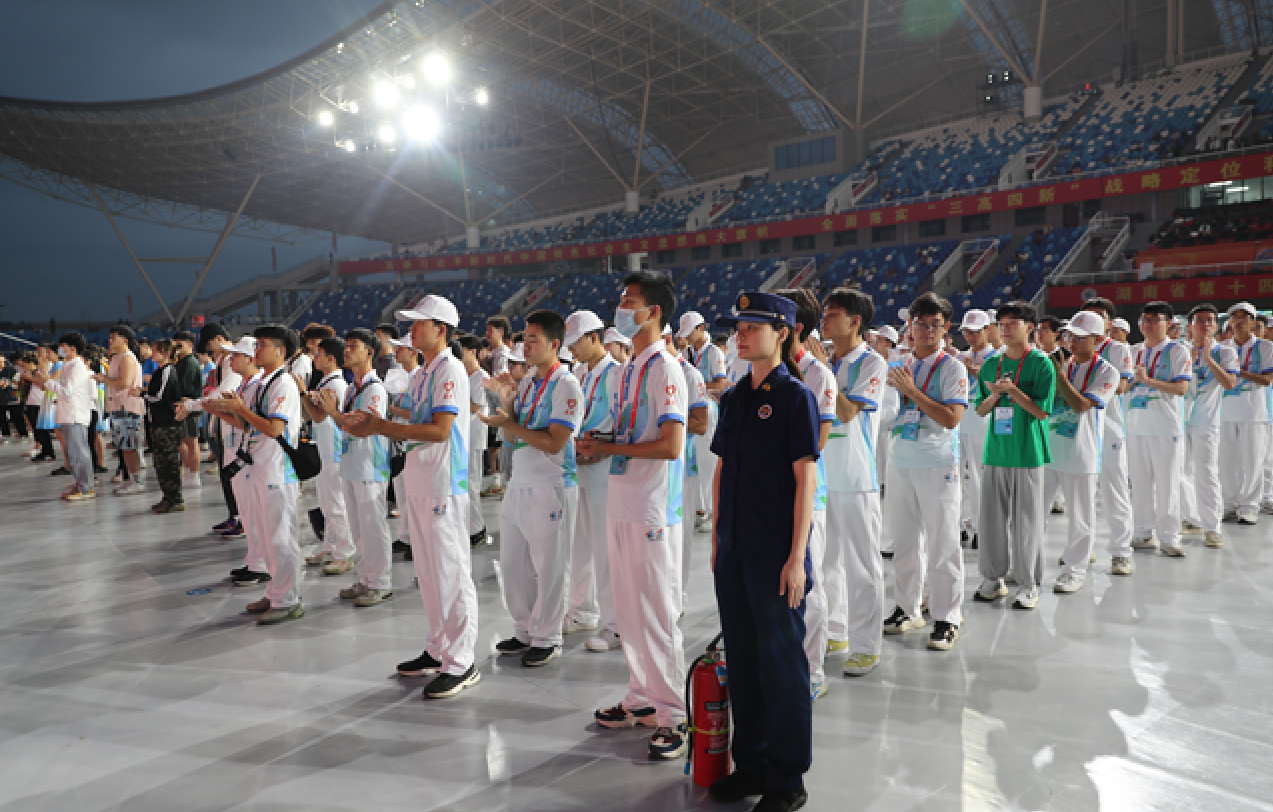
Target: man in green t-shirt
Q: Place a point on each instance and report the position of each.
(1014, 389)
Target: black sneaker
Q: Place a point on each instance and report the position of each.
(400, 546)
(668, 743)
(540, 655)
(888, 554)
(736, 786)
(97, 469)
(250, 578)
(235, 573)
(972, 545)
(944, 636)
(445, 685)
(619, 717)
(60, 471)
(478, 538)
(317, 522)
(512, 646)
(784, 801)
(420, 666)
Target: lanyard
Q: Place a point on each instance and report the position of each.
(539, 391)
(1246, 364)
(597, 375)
(698, 362)
(1153, 361)
(1091, 365)
(941, 356)
(1020, 366)
(350, 400)
(627, 379)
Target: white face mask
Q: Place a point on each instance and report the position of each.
(625, 321)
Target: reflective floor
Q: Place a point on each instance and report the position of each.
(127, 686)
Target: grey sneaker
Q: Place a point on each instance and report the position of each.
(991, 589)
(571, 626)
(1173, 550)
(1066, 583)
(1121, 565)
(1266, 507)
(281, 615)
(372, 597)
(1149, 542)
(354, 592)
(1027, 597)
(605, 640)
(1214, 539)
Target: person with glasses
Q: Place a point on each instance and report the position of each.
(1155, 432)
(921, 499)
(1215, 372)
(1015, 392)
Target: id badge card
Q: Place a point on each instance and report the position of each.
(1003, 420)
(619, 462)
(1140, 397)
(1068, 429)
(910, 424)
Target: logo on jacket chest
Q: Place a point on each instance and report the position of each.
(765, 411)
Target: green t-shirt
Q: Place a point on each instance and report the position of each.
(1027, 444)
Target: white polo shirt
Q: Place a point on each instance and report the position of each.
(230, 436)
(478, 431)
(945, 380)
(438, 469)
(555, 399)
(598, 386)
(327, 435)
(820, 380)
(1248, 402)
(279, 399)
(709, 361)
(736, 371)
(1075, 438)
(1119, 355)
(697, 398)
(651, 391)
(1205, 400)
(1152, 412)
(365, 459)
(499, 360)
(850, 451)
(971, 422)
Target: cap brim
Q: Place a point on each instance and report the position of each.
(408, 315)
(570, 339)
(685, 333)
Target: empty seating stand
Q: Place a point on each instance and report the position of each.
(890, 276)
(1023, 274)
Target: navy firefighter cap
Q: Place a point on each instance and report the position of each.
(760, 307)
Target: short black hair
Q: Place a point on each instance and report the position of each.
(1017, 309)
(855, 303)
(1159, 308)
(500, 323)
(125, 332)
(183, 335)
(550, 323)
(207, 333)
(143, 342)
(808, 311)
(930, 304)
(1205, 307)
(366, 337)
(335, 348)
(388, 329)
(453, 344)
(1053, 323)
(277, 332)
(74, 340)
(319, 331)
(1101, 303)
(469, 341)
(656, 289)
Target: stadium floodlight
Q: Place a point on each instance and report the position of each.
(351, 146)
(326, 119)
(387, 134)
(436, 70)
(407, 81)
(482, 96)
(419, 123)
(386, 94)
(353, 107)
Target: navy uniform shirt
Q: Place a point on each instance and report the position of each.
(760, 434)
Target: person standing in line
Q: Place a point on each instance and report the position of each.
(254, 571)
(922, 497)
(1015, 391)
(1085, 383)
(499, 337)
(852, 571)
(39, 362)
(709, 360)
(541, 498)
(478, 433)
(338, 539)
(227, 380)
(437, 492)
(76, 393)
(162, 396)
(1244, 438)
(387, 356)
(364, 473)
(696, 428)
(188, 380)
(645, 517)
(764, 493)
(972, 427)
(1155, 432)
(268, 410)
(618, 346)
(10, 408)
(124, 408)
(591, 602)
(1265, 325)
(1215, 371)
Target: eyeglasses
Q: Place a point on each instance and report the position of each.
(927, 326)
(1150, 318)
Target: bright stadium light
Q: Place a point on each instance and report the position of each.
(481, 96)
(353, 107)
(386, 94)
(351, 146)
(436, 69)
(326, 118)
(407, 81)
(420, 123)
(387, 134)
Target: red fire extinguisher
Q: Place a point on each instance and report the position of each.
(707, 706)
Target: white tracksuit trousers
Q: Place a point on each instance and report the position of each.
(338, 539)
(368, 505)
(591, 598)
(273, 516)
(1155, 472)
(443, 566)
(852, 572)
(254, 560)
(815, 602)
(534, 557)
(922, 505)
(707, 462)
(1079, 492)
(476, 520)
(645, 570)
(1202, 501)
(1243, 446)
(972, 446)
(1268, 465)
(1116, 498)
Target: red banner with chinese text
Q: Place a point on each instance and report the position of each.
(1150, 180)
(1196, 289)
(1193, 256)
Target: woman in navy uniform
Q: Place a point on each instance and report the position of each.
(767, 441)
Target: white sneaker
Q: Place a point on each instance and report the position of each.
(1214, 539)
(991, 589)
(604, 641)
(1188, 526)
(1173, 550)
(1121, 565)
(1149, 542)
(1066, 583)
(571, 626)
(131, 488)
(191, 481)
(1266, 507)
(1027, 597)
(1249, 518)
(1010, 578)
(117, 477)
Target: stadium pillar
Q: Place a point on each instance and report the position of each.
(631, 201)
(1033, 102)
(634, 263)
(472, 239)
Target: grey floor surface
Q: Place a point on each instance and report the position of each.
(123, 689)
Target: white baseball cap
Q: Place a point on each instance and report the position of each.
(614, 337)
(1122, 324)
(1086, 323)
(431, 307)
(815, 335)
(689, 321)
(402, 343)
(579, 323)
(888, 332)
(563, 354)
(517, 356)
(244, 346)
(975, 320)
(904, 314)
(1245, 307)
(667, 329)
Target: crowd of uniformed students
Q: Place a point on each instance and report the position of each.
(853, 445)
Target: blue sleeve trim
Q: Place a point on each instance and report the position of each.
(867, 401)
(447, 409)
(827, 418)
(1266, 371)
(282, 417)
(559, 422)
(1129, 376)
(1100, 404)
(954, 403)
(702, 404)
(1180, 378)
(674, 417)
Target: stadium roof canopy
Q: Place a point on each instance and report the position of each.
(580, 93)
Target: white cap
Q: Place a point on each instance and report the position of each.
(578, 323)
(888, 332)
(402, 343)
(1086, 323)
(564, 355)
(396, 381)
(815, 335)
(517, 356)
(244, 346)
(689, 321)
(904, 314)
(975, 320)
(667, 329)
(431, 307)
(1122, 324)
(614, 337)
(1245, 307)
